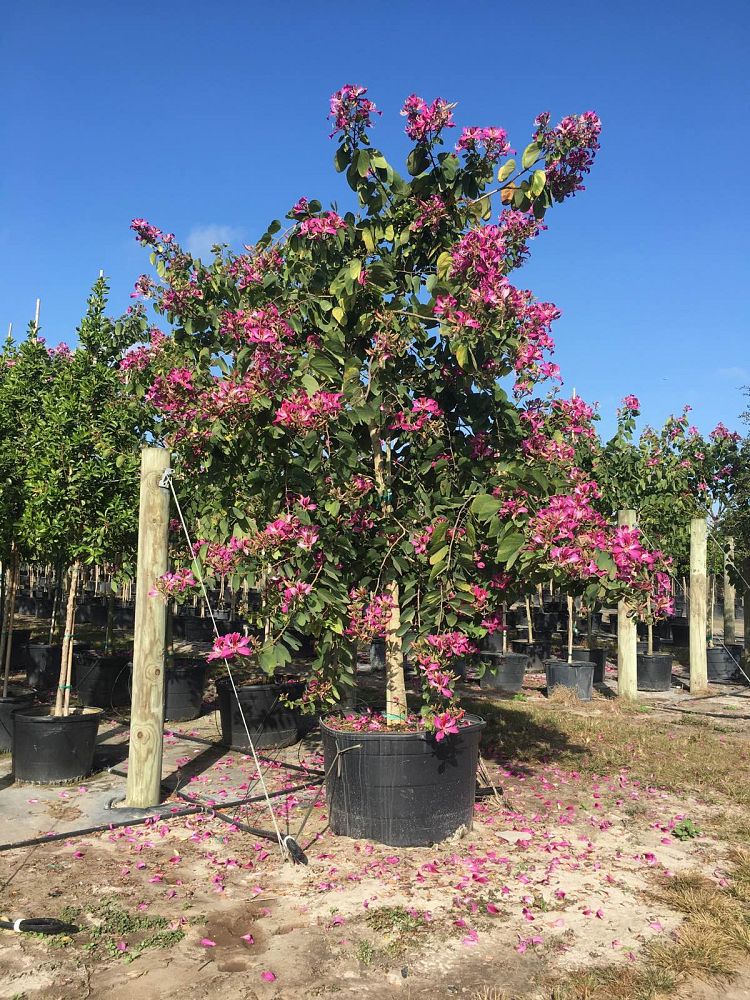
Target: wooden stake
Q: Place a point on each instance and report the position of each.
(36, 317)
(529, 624)
(67, 644)
(627, 649)
(395, 684)
(730, 595)
(698, 614)
(571, 613)
(147, 705)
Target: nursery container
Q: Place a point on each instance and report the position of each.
(401, 789)
(271, 723)
(17, 697)
(596, 656)
(184, 682)
(579, 677)
(198, 629)
(722, 665)
(49, 750)
(42, 665)
(654, 672)
(680, 628)
(103, 681)
(503, 671)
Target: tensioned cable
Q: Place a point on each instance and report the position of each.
(167, 481)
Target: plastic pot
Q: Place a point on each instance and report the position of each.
(49, 750)
(721, 664)
(401, 789)
(198, 629)
(271, 723)
(654, 672)
(17, 697)
(184, 683)
(504, 672)
(103, 681)
(42, 665)
(579, 677)
(596, 656)
(680, 628)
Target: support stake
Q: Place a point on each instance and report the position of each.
(147, 705)
(698, 613)
(627, 650)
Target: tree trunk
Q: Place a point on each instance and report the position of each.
(66, 660)
(110, 619)
(571, 612)
(8, 623)
(730, 595)
(529, 624)
(395, 683)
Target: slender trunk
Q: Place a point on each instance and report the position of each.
(9, 628)
(505, 630)
(730, 595)
(711, 612)
(56, 601)
(395, 683)
(67, 644)
(650, 647)
(590, 628)
(110, 620)
(7, 589)
(529, 624)
(570, 629)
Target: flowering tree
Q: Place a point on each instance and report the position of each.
(361, 376)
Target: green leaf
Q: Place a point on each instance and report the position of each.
(510, 546)
(444, 264)
(484, 506)
(439, 556)
(530, 154)
(341, 159)
(417, 161)
(506, 170)
(538, 180)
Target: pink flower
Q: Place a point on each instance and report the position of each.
(446, 723)
(207, 943)
(227, 647)
(317, 226)
(268, 976)
(351, 112)
(425, 122)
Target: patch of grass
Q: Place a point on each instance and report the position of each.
(365, 952)
(686, 830)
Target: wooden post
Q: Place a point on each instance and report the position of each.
(698, 658)
(147, 703)
(627, 650)
(730, 595)
(746, 601)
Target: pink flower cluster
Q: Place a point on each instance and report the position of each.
(368, 618)
(421, 542)
(423, 411)
(292, 594)
(569, 150)
(490, 143)
(318, 226)
(431, 214)
(424, 122)
(631, 404)
(258, 326)
(149, 235)
(173, 584)
(722, 433)
(229, 647)
(351, 112)
(447, 723)
(250, 269)
(302, 412)
(451, 644)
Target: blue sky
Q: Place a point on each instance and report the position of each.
(209, 120)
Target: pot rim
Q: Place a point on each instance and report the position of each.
(477, 723)
(41, 714)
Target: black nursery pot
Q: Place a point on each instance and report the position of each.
(198, 629)
(596, 656)
(721, 664)
(579, 677)
(17, 697)
(680, 628)
(48, 750)
(503, 672)
(184, 683)
(654, 672)
(401, 789)
(42, 665)
(103, 681)
(270, 722)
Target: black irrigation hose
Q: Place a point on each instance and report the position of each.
(39, 925)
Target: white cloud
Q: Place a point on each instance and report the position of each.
(734, 374)
(200, 239)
